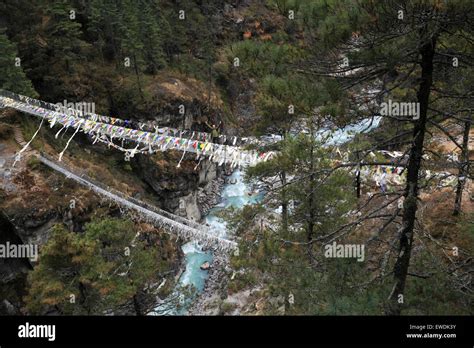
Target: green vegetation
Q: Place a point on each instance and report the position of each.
(106, 269)
(330, 65)
(12, 76)
(349, 48)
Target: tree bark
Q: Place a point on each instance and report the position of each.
(402, 262)
(209, 62)
(137, 74)
(463, 168)
(283, 196)
(284, 202)
(83, 298)
(358, 176)
(312, 188)
(136, 305)
(358, 183)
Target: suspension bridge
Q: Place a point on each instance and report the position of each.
(183, 228)
(150, 142)
(105, 129)
(104, 132)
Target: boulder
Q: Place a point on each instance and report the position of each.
(205, 266)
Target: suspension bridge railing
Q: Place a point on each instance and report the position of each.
(148, 125)
(178, 227)
(151, 141)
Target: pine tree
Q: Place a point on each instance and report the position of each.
(453, 105)
(12, 76)
(68, 277)
(290, 257)
(96, 17)
(395, 41)
(132, 44)
(24, 23)
(63, 33)
(105, 270)
(152, 39)
(281, 98)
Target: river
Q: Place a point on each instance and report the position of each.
(235, 194)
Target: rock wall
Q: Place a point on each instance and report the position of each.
(183, 191)
(13, 271)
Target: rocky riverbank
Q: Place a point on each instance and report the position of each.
(208, 301)
(210, 195)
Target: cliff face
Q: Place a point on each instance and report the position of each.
(174, 188)
(12, 271)
(177, 189)
(182, 103)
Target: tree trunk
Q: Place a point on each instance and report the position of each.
(83, 298)
(136, 305)
(463, 168)
(284, 202)
(358, 183)
(358, 176)
(311, 202)
(138, 78)
(400, 270)
(209, 62)
(283, 197)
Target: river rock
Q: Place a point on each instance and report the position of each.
(7, 308)
(205, 266)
